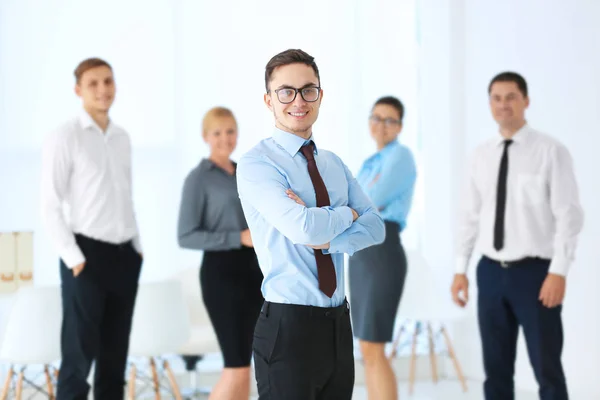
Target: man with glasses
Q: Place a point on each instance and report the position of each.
(376, 275)
(304, 210)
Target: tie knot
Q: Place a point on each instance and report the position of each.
(507, 142)
(308, 151)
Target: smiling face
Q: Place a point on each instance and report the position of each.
(299, 115)
(96, 88)
(385, 124)
(221, 135)
(508, 105)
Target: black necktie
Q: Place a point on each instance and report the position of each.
(501, 199)
(325, 268)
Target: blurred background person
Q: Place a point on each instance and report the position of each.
(521, 211)
(86, 166)
(377, 273)
(211, 219)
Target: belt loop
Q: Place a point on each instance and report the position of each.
(267, 309)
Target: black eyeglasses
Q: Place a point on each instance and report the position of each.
(287, 95)
(388, 122)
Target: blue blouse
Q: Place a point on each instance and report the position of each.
(388, 178)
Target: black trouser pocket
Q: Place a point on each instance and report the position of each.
(266, 334)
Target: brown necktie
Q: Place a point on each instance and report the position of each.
(325, 268)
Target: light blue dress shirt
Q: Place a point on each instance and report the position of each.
(388, 178)
(281, 229)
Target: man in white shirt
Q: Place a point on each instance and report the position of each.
(521, 204)
(86, 166)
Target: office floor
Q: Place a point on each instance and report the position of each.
(424, 389)
(446, 389)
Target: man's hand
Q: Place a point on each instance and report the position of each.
(552, 293)
(374, 181)
(246, 238)
(295, 197)
(77, 269)
(460, 285)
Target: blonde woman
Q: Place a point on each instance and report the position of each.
(211, 219)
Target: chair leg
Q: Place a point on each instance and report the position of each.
(454, 359)
(131, 383)
(49, 383)
(432, 358)
(155, 379)
(172, 381)
(19, 388)
(396, 342)
(6, 388)
(413, 360)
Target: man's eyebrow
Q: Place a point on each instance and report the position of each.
(285, 86)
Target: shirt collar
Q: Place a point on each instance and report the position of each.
(207, 164)
(290, 142)
(389, 147)
(87, 122)
(386, 149)
(519, 137)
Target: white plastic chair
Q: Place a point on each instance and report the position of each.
(202, 338)
(161, 326)
(32, 337)
(428, 304)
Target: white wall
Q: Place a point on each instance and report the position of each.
(556, 46)
(173, 60)
(41, 43)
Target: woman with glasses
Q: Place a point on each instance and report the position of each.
(377, 273)
(211, 219)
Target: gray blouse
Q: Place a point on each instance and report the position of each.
(210, 215)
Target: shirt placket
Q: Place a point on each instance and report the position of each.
(115, 187)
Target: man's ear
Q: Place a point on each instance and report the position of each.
(268, 101)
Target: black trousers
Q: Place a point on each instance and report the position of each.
(508, 298)
(98, 309)
(304, 353)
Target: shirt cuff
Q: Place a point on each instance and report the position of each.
(559, 266)
(137, 244)
(73, 257)
(234, 240)
(340, 244)
(346, 214)
(461, 265)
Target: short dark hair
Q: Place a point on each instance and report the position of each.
(392, 101)
(510, 76)
(88, 64)
(287, 57)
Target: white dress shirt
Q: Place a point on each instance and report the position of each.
(86, 186)
(543, 215)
